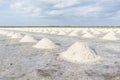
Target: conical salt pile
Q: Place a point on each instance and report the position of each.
(96, 32)
(61, 33)
(10, 34)
(110, 36)
(28, 39)
(88, 35)
(5, 33)
(79, 53)
(45, 44)
(17, 35)
(53, 32)
(74, 33)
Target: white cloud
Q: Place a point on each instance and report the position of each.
(66, 3)
(41, 7)
(80, 11)
(26, 8)
(63, 11)
(1, 0)
(116, 16)
(78, 8)
(87, 11)
(56, 12)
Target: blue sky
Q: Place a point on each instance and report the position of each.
(59, 12)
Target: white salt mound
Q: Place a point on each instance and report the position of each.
(45, 44)
(88, 35)
(5, 33)
(110, 36)
(53, 32)
(96, 32)
(17, 35)
(74, 33)
(28, 39)
(79, 53)
(10, 34)
(61, 33)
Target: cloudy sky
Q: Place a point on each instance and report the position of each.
(59, 12)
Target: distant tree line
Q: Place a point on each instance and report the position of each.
(59, 26)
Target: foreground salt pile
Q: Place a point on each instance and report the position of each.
(79, 53)
(45, 44)
(88, 35)
(16, 35)
(28, 39)
(110, 36)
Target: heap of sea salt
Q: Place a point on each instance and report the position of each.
(110, 36)
(61, 33)
(16, 35)
(88, 35)
(79, 52)
(74, 33)
(10, 34)
(28, 39)
(45, 44)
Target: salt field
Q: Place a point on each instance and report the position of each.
(59, 53)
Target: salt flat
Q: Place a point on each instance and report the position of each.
(74, 58)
